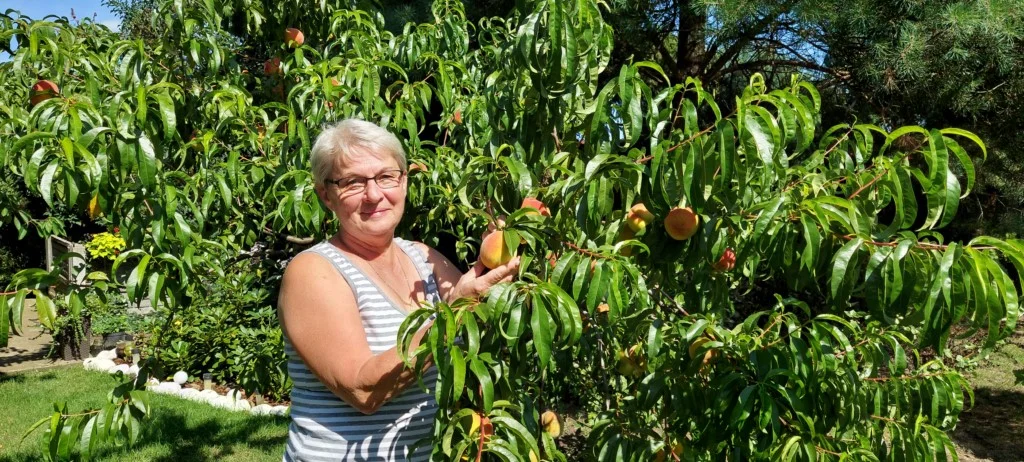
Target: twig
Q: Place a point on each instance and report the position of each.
(766, 329)
(688, 140)
(873, 180)
(826, 451)
(589, 253)
(919, 245)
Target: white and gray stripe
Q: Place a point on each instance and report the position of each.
(325, 428)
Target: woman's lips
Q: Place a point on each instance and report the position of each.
(374, 213)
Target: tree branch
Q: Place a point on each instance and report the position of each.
(839, 74)
(712, 71)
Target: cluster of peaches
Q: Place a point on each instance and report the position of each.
(681, 223)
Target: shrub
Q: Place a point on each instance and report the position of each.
(231, 331)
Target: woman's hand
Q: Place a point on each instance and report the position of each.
(478, 280)
(453, 284)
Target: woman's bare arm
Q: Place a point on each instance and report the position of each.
(319, 315)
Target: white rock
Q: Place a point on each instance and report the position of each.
(112, 369)
(279, 410)
(189, 394)
(208, 396)
(261, 409)
(133, 370)
(180, 377)
(168, 388)
(152, 382)
(101, 364)
(122, 368)
(108, 354)
(223, 402)
(242, 405)
(233, 394)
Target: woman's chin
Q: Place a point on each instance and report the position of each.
(382, 223)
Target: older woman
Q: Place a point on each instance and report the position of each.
(342, 301)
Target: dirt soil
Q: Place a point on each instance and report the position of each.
(994, 429)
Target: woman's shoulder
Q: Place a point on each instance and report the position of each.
(313, 260)
(311, 274)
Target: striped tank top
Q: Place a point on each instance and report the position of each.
(326, 428)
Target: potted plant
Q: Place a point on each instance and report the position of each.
(71, 329)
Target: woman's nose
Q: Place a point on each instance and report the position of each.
(372, 193)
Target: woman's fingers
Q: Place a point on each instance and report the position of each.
(478, 268)
(503, 273)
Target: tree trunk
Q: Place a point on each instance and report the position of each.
(690, 46)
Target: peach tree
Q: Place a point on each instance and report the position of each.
(708, 279)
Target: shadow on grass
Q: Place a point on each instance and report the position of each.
(994, 427)
(170, 436)
(19, 377)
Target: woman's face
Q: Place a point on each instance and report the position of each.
(374, 212)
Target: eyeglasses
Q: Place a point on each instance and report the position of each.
(353, 185)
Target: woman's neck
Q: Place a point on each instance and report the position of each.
(366, 249)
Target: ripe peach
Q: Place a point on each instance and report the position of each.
(42, 91)
(493, 250)
(639, 217)
(727, 262)
(272, 66)
(681, 223)
(294, 37)
(534, 203)
(549, 423)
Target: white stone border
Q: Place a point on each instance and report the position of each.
(104, 362)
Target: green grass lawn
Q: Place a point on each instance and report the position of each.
(178, 429)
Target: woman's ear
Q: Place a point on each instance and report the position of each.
(321, 192)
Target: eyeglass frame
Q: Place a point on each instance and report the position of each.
(364, 180)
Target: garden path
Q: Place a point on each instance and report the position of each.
(28, 351)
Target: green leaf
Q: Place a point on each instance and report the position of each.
(458, 373)
(46, 310)
(484, 377)
(542, 334)
(147, 162)
(840, 265)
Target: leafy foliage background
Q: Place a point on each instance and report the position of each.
(196, 151)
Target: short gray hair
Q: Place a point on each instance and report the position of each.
(341, 138)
